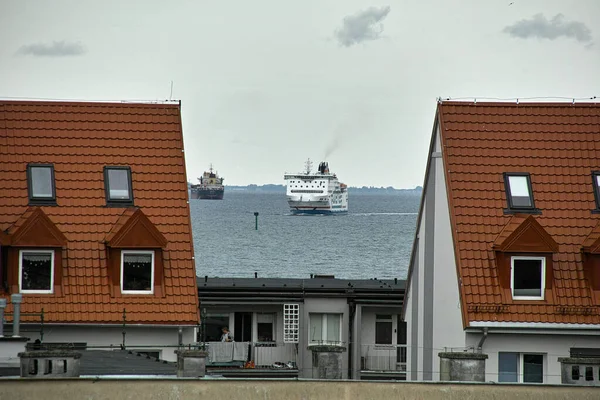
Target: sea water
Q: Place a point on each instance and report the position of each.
(374, 240)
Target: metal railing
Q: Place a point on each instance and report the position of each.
(21, 329)
(383, 357)
(272, 355)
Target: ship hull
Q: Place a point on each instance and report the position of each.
(208, 194)
(309, 210)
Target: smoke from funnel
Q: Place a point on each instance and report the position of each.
(332, 146)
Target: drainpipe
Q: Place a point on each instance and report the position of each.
(2, 307)
(180, 335)
(16, 299)
(351, 338)
(480, 345)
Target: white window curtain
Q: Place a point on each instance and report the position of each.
(138, 258)
(37, 257)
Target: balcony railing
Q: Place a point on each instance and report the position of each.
(270, 355)
(383, 357)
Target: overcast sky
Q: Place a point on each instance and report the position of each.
(266, 84)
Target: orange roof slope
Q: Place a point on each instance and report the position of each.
(80, 139)
(559, 145)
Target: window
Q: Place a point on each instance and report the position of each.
(36, 271)
(383, 329)
(291, 323)
(596, 183)
(265, 325)
(40, 184)
(117, 185)
(137, 272)
(213, 325)
(520, 367)
(325, 328)
(528, 275)
(518, 191)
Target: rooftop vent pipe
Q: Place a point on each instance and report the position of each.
(16, 299)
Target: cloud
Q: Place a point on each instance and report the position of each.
(55, 49)
(540, 27)
(362, 26)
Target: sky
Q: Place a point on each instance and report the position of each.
(266, 84)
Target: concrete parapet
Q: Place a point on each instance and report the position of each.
(254, 389)
(50, 364)
(462, 367)
(191, 363)
(327, 361)
(580, 371)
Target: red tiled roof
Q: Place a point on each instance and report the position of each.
(559, 145)
(81, 138)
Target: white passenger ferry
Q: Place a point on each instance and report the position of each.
(318, 192)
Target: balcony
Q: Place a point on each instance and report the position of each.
(383, 361)
(252, 359)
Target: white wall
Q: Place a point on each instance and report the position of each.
(447, 318)
(554, 346)
(152, 338)
(444, 290)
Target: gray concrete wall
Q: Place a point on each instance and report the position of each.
(326, 306)
(180, 389)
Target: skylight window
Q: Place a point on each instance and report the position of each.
(519, 194)
(117, 184)
(40, 184)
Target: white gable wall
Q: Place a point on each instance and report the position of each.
(448, 327)
(433, 314)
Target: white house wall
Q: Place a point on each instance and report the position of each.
(151, 338)
(447, 327)
(433, 312)
(553, 346)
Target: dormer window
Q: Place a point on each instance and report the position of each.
(40, 184)
(519, 194)
(528, 277)
(596, 185)
(137, 272)
(36, 271)
(117, 185)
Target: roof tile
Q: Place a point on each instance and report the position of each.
(80, 139)
(558, 145)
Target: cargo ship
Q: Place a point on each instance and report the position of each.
(318, 192)
(210, 186)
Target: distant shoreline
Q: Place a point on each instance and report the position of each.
(281, 189)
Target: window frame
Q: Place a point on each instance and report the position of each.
(273, 323)
(33, 200)
(52, 271)
(511, 208)
(596, 187)
(542, 281)
(389, 320)
(521, 366)
(324, 329)
(152, 277)
(117, 202)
